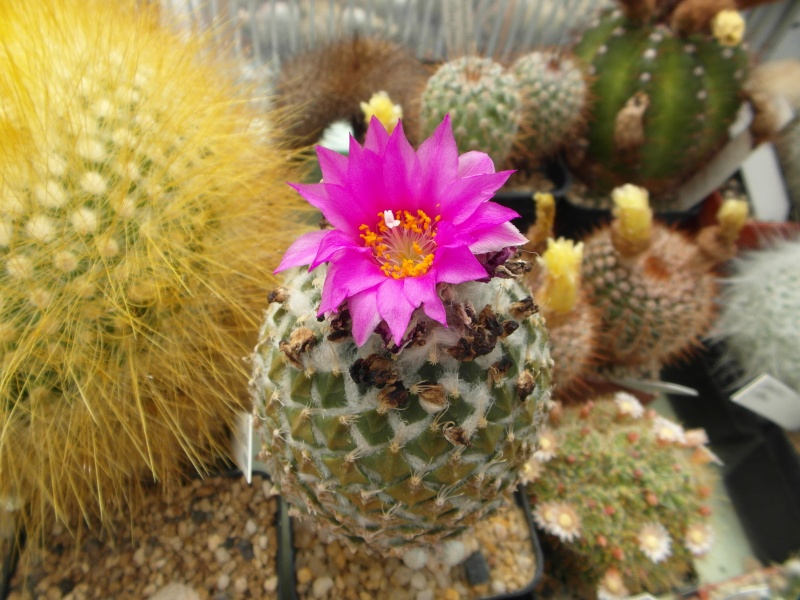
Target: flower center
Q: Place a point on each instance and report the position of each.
(565, 520)
(403, 244)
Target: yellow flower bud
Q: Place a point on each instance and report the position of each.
(728, 27)
(562, 260)
(732, 216)
(633, 213)
(382, 107)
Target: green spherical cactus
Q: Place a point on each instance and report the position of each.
(759, 315)
(653, 286)
(662, 102)
(554, 97)
(620, 496)
(133, 254)
(401, 449)
(483, 101)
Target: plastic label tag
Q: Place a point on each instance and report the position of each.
(773, 399)
(242, 444)
(644, 596)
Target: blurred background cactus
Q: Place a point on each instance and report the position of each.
(759, 314)
(663, 99)
(141, 213)
(655, 288)
(555, 101)
(483, 101)
(620, 496)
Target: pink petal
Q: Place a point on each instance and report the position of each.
(336, 208)
(497, 237)
(354, 273)
(463, 196)
(422, 290)
(332, 243)
(457, 265)
(302, 251)
(438, 157)
(394, 308)
(488, 214)
(366, 189)
(377, 136)
(364, 314)
(332, 164)
(401, 174)
(474, 163)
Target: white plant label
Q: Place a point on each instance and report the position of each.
(772, 399)
(242, 444)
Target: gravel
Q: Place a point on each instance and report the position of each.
(213, 539)
(327, 570)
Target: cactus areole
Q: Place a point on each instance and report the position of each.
(400, 380)
(663, 103)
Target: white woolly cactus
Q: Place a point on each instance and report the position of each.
(760, 315)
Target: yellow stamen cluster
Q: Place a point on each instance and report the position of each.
(562, 259)
(633, 212)
(732, 216)
(404, 250)
(728, 27)
(382, 107)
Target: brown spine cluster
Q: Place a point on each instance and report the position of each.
(328, 84)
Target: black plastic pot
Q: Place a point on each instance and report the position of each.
(575, 221)
(762, 468)
(522, 201)
(286, 552)
(725, 422)
(764, 485)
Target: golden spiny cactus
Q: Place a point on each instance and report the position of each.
(142, 210)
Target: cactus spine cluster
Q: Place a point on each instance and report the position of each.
(554, 97)
(134, 204)
(401, 448)
(654, 287)
(663, 101)
(620, 495)
(483, 101)
(759, 315)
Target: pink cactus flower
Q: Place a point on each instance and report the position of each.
(404, 223)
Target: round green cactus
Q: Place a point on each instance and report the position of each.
(663, 102)
(483, 101)
(401, 449)
(554, 96)
(620, 495)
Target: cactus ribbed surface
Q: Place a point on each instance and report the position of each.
(483, 101)
(401, 449)
(554, 96)
(655, 305)
(663, 103)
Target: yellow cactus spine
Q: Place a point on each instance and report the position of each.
(141, 215)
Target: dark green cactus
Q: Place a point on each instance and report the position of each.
(663, 102)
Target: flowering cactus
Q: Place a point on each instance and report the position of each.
(620, 494)
(406, 409)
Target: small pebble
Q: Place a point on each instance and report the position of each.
(223, 581)
(415, 558)
(321, 586)
(240, 585)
